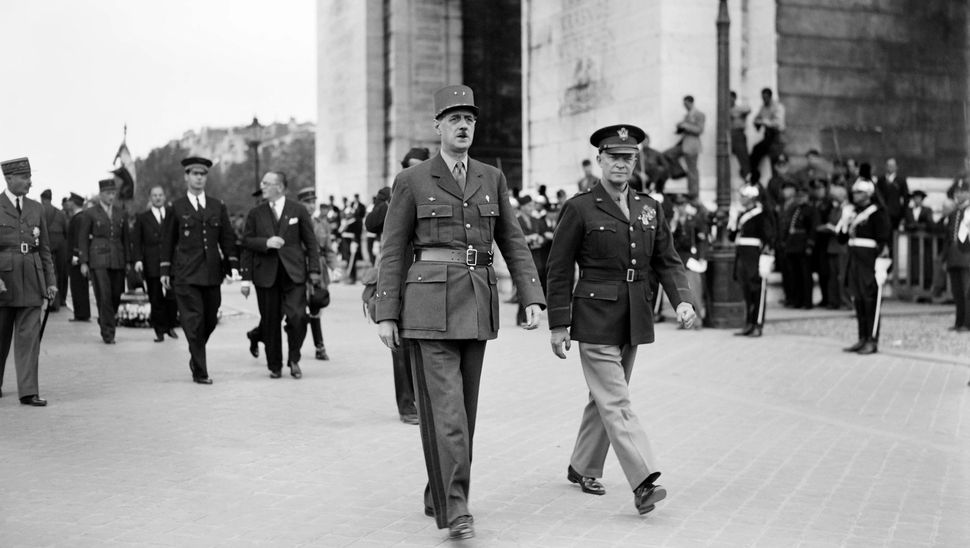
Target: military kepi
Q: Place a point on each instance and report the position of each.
(452, 97)
(106, 184)
(17, 166)
(620, 139)
(196, 162)
(308, 194)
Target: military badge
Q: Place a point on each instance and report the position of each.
(36, 234)
(623, 133)
(647, 216)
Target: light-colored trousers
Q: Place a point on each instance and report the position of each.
(608, 417)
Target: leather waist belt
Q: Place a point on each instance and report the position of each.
(862, 242)
(608, 275)
(468, 257)
(23, 248)
(748, 241)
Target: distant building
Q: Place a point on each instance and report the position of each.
(864, 79)
(227, 146)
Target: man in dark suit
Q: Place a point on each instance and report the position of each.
(103, 253)
(146, 251)
(198, 251)
(60, 253)
(956, 254)
(451, 209)
(619, 238)
(279, 250)
(26, 279)
(894, 192)
(80, 290)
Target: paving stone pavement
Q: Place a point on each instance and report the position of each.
(782, 441)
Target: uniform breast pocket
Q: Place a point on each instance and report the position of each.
(600, 241)
(435, 223)
(6, 262)
(488, 214)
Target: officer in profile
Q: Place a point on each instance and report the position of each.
(619, 238)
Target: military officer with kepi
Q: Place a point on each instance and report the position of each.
(451, 209)
(198, 250)
(26, 278)
(103, 252)
(867, 231)
(619, 238)
(752, 231)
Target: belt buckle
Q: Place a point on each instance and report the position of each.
(630, 274)
(471, 257)
(24, 248)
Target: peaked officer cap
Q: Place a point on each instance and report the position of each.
(196, 161)
(619, 138)
(307, 194)
(17, 166)
(107, 184)
(452, 97)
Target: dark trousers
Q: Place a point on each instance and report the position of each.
(750, 280)
(164, 307)
(799, 268)
(960, 288)
(80, 294)
(864, 291)
(61, 256)
(109, 284)
(836, 280)
(346, 245)
(787, 278)
(770, 146)
(21, 325)
(403, 379)
(283, 299)
(739, 148)
(447, 375)
(199, 312)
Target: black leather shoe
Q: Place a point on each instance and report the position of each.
(756, 332)
(295, 371)
(79, 320)
(647, 495)
(462, 528)
(962, 329)
(746, 331)
(410, 418)
(586, 483)
(275, 374)
(200, 380)
(855, 347)
(171, 333)
(253, 345)
(110, 340)
(868, 348)
(429, 511)
(159, 337)
(33, 401)
(322, 353)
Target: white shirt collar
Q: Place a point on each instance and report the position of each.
(13, 198)
(200, 198)
(450, 160)
(277, 204)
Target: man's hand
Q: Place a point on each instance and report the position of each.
(139, 267)
(75, 261)
(275, 242)
(560, 341)
(686, 315)
(84, 270)
(316, 279)
(51, 292)
(387, 331)
(244, 289)
(166, 283)
(532, 314)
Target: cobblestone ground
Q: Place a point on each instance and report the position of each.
(781, 441)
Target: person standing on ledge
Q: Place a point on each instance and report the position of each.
(451, 209)
(619, 238)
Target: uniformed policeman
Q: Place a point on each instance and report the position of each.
(26, 278)
(198, 250)
(752, 231)
(103, 253)
(867, 231)
(452, 209)
(619, 238)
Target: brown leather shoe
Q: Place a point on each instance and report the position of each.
(586, 483)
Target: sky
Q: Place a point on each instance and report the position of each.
(74, 72)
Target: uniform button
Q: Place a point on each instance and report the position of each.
(471, 268)
(419, 278)
(468, 226)
(465, 204)
(633, 261)
(592, 294)
(634, 244)
(433, 213)
(631, 229)
(533, 280)
(470, 246)
(601, 228)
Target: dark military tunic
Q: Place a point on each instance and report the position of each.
(754, 234)
(868, 235)
(103, 245)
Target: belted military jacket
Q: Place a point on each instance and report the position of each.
(443, 299)
(103, 241)
(26, 269)
(611, 302)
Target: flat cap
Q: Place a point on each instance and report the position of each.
(308, 194)
(452, 97)
(196, 161)
(17, 166)
(619, 138)
(107, 184)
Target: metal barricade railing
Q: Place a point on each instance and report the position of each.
(917, 272)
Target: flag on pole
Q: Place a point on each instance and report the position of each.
(124, 170)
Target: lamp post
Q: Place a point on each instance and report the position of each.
(254, 138)
(727, 306)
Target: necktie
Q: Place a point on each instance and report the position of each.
(195, 200)
(624, 207)
(459, 173)
(276, 211)
(19, 211)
